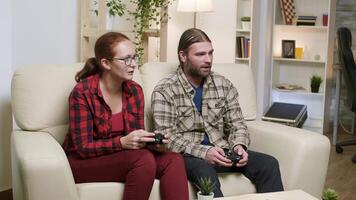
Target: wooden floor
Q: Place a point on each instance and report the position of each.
(342, 171)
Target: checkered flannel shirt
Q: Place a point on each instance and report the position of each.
(175, 114)
(89, 133)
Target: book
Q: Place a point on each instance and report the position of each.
(305, 23)
(307, 17)
(287, 113)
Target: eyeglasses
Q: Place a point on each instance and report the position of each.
(128, 60)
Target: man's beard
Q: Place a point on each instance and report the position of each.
(195, 72)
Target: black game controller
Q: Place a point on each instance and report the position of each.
(158, 139)
(231, 155)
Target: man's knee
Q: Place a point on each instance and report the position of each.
(270, 163)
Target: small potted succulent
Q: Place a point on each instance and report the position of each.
(246, 22)
(315, 82)
(206, 188)
(330, 194)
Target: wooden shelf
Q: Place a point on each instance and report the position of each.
(311, 28)
(298, 92)
(243, 30)
(298, 60)
(242, 59)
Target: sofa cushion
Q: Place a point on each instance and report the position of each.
(39, 95)
(231, 183)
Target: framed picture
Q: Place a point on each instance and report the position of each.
(288, 48)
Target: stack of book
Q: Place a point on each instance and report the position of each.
(243, 47)
(306, 20)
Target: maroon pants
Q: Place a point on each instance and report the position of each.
(138, 169)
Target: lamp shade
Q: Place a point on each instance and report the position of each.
(195, 6)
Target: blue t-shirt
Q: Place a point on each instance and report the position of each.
(198, 99)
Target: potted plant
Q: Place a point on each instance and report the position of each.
(115, 8)
(206, 188)
(330, 194)
(246, 22)
(315, 82)
(145, 14)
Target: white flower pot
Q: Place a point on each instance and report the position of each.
(246, 25)
(204, 197)
(109, 22)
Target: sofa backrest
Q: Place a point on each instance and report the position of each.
(39, 95)
(240, 75)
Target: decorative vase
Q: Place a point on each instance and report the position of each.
(246, 25)
(205, 197)
(109, 21)
(314, 88)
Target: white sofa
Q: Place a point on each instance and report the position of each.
(41, 171)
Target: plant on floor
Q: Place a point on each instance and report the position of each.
(206, 186)
(315, 82)
(330, 194)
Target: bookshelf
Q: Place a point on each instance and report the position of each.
(317, 42)
(243, 32)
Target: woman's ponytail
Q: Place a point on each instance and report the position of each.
(91, 67)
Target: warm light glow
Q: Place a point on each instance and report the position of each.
(195, 6)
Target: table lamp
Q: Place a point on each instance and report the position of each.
(195, 6)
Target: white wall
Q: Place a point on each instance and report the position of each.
(32, 32)
(177, 24)
(5, 109)
(45, 31)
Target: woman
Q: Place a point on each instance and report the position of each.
(106, 138)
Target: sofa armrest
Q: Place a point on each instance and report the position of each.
(40, 168)
(303, 155)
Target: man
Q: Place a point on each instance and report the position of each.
(199, 111)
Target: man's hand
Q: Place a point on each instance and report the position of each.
(216, 156)
(136, 139)
(241, 151)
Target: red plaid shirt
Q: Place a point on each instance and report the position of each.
(89, 133)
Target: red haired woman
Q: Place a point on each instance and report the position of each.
(106, 138)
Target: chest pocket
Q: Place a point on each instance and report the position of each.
(185, 118)
(216, 109)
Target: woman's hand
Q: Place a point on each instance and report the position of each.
(136, 139)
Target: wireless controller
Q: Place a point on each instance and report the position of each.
(231, 155)
(158, 139)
